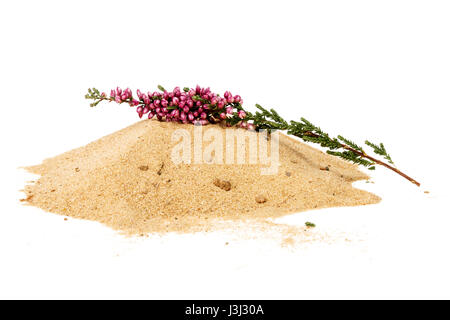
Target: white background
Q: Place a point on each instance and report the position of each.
(364, 69)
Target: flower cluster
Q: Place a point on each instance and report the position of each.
(190, 105)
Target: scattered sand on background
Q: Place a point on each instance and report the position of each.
(128, 181)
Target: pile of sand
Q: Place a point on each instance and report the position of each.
(128, 181)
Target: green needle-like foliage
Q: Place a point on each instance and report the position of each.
(304, 129)
(381, 150)
(350, 143)
(95, 95)
(310, 224)
(268, 120)
(340, 146)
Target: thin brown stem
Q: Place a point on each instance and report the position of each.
(382, 164)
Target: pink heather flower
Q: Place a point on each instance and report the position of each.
(190, 117)
(229, 110)
(198, 89)
(145, 110)
(186, 109)
(191, 92)
(175, 101)
(237, 99)
(182, 104)
(103, 95)
(183, 116)
(200, 110)
(164, 103)
(227, 94)
(195, 114)
(151, 106)
(118, 91)
(151, 115)
(182, 97)
(203, 115)
(190, 103)
(112, 94)
(158, 110)
(242, 114)
(251, 127)
(157, 102)
(139, 93)
(139, 111)
(223, 116)
(117, 99)
(124, 96)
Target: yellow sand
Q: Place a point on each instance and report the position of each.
(128, 181)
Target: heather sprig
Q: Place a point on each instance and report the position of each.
(202, 106)
(190, 105)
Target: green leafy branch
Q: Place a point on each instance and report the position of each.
(340, 147)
